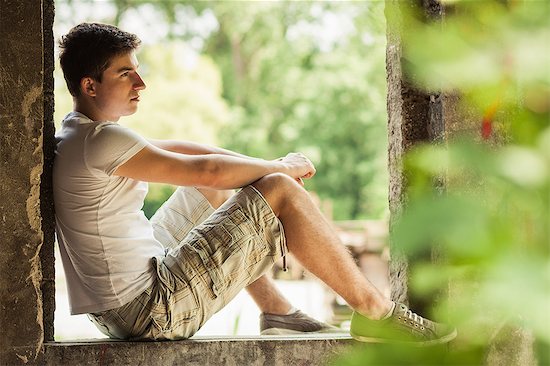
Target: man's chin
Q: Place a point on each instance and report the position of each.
(133, 109)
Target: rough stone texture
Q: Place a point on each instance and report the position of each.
(265, 351)
(398, 263)
(463, 120)
(414, 116)
(512, 346)
(21, 157)
(46, 192)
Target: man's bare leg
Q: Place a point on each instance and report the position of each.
(268, 297)
(215, 197)
(263, 291)
(312, 241)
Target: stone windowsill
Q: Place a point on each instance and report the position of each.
(265, 350)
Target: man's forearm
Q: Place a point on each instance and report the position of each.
(219, 171)
(193, 148)
(228, 172)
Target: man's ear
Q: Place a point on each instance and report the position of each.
(87, 86)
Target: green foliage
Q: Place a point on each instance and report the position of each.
(490, 225)
(494, 236)
(293, 90)
(157, 195)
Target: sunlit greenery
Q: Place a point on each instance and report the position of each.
(490, 225)
(264, 78)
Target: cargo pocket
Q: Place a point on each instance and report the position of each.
(213, 244)
(173, 306)
(173, 316)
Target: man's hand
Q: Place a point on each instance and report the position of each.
(299, 166)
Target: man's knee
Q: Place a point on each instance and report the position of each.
(276, 189)
(277, 182)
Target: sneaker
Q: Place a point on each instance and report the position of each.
(402, 326)
(295, 323)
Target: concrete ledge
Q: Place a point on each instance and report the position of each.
(242, 351)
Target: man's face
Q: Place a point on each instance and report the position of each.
(117, 94)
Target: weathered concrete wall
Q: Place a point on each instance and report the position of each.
(22, 116)
(414, 116)
(46, 189)
(265, 351)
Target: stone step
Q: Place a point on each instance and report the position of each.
(240, 351)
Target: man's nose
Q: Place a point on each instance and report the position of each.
(138, 82)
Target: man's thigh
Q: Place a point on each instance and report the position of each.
(238, 243)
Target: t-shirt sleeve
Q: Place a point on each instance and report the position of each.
(110, 145)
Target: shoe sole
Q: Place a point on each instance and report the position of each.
(445, 339)
(283, 331)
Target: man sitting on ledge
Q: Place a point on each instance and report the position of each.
(164, 278)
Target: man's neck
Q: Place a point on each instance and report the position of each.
(81, 105)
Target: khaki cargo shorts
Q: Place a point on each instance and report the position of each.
(211, 255)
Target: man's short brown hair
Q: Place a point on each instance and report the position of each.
(87, 50)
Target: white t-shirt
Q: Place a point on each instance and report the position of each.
(106, 242)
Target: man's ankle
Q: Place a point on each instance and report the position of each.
(390, 312)
(378, 311)
(279, 310)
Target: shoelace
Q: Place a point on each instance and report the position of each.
(414, 317)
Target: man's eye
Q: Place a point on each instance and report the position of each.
(124, 74)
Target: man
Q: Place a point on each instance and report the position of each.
(164, 278)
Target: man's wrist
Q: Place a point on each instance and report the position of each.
(281, 167)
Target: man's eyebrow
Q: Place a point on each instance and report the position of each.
(126, 68)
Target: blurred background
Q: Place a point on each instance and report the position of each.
(262, 78)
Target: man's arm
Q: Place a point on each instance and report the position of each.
(218, 171)
(193, 148)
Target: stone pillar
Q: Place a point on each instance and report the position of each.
(26, 106)
(419, 116)
(414, 116)
(46, 189)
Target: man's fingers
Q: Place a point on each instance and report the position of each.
(302, 164)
